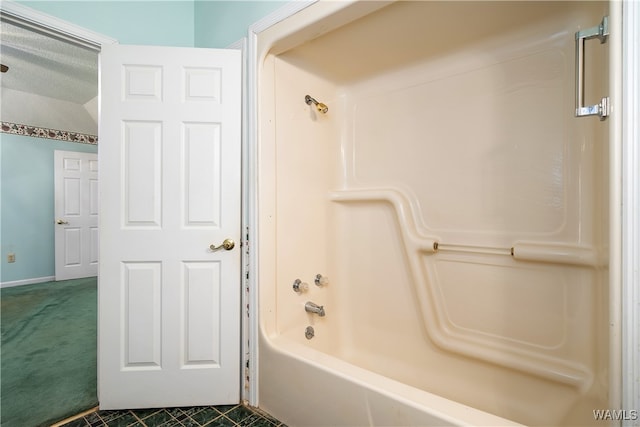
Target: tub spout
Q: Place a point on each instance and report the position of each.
(310, 307)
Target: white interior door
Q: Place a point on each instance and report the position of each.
(76, 214)
(169, 306)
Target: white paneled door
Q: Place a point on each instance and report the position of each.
(169, 290)
(76, 214)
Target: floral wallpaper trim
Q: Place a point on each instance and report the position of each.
(38, 132)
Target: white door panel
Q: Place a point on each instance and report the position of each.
(169, 318)
(76, 214)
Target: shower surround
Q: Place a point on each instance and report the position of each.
(457, 208)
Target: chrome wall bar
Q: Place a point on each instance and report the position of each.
(601, 32)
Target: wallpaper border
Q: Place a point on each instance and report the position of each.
(40, 132)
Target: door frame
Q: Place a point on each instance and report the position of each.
(51, 25)
(630, 228)
(251, 323)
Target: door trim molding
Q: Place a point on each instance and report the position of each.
(630, 291)
(34, 19)
(250, 343)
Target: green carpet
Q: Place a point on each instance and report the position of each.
(48, 355)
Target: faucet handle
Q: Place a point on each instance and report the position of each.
(299, 286)
(321, 280)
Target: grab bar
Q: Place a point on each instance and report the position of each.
(600, 32)
(448, 247)
(555, 253)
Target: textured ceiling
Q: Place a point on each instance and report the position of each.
(45, 66)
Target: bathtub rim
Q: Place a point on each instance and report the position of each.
(624, 221)
(402, 393)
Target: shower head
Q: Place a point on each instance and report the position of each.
(319, 105)
(4, 68)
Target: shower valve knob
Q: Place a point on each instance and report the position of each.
(299, 286)
(321, 280)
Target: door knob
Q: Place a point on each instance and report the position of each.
(228, 244)
(61, 222)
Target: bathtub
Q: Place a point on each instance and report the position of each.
(455, 210)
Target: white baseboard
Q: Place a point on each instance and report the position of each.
(27, 281)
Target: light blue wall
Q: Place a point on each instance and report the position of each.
(27, 204)
(151, 22)
(220, 23)
(199, 23)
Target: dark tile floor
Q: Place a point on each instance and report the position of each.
(210, 416)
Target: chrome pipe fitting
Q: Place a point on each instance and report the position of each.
(309, 332)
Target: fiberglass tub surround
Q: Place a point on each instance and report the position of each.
(454, 203)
